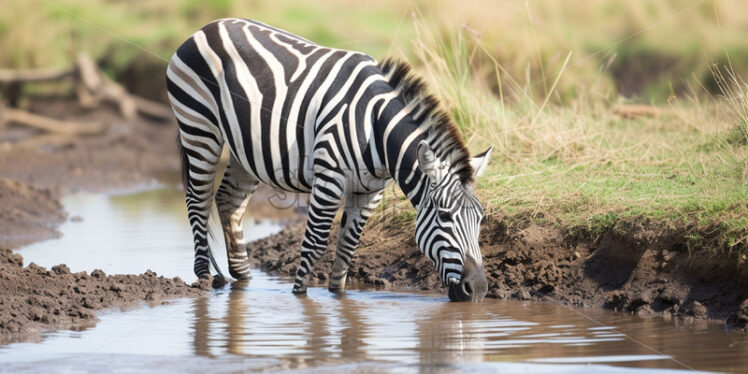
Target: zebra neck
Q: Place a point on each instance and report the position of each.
(397, 145)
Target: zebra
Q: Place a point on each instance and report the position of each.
(334, 123)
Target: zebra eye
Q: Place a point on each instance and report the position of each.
(444, 215)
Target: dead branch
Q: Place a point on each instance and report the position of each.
(91, 87)
(114, 92)
(32, 76)
(22, 117)
(153, 109)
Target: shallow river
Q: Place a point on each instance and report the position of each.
(260, 325)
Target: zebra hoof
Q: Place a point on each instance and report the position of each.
(240, 276)
(203, 282)
(337, 290)
(299, 290)
(219, 281)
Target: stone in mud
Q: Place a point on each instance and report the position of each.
(61, 269)
(98, 274)
(522, 294)
(743, 313)
(616, 299)
(644, 310)
(696, 309)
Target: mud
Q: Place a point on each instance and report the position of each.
(127, 153)
(37, 168)
(28, 214)
(34, 299)
(632, 268)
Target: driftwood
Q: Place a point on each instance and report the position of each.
(91, 87)
(33, 76)
(12, 115)
(95, 86)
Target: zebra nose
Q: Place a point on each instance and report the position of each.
(473, 285)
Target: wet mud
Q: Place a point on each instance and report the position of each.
(27, 213)
(631, 268)
(37, 168)
(34, 299)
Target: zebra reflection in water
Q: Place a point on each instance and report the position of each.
(312, 331)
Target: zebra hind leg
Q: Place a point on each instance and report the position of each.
(199, 161)
(324, 202)
(232, 198)
(358, 209)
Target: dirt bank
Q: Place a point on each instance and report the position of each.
(631, 268)
(28, 214)
(127, 153)
(33, 299)
(37, 168)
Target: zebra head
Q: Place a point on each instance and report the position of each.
(448, 223)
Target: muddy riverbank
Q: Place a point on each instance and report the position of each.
(37, 168)
(632, 268)
(34, 299)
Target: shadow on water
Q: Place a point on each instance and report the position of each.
(260, 325)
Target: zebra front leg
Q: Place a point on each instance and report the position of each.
(232, 198)
(358, 208)
(324, 202)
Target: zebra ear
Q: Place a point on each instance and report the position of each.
(427, 159)
(480, 161)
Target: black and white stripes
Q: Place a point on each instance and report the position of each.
(305, 118)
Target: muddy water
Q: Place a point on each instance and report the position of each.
(260, 325)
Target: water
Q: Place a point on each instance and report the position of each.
(260, 325)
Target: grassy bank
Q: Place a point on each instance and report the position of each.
(587, 162)
(550, 84)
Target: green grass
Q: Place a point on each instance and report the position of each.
(541, 81)
(564, 157)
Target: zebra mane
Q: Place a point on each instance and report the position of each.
(443, 135)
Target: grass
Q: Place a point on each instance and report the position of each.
(542, 81)
(577, 163)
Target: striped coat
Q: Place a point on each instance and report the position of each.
(305, 118)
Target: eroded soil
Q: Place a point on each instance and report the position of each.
(27, 213)
(634, 267)
(37, 168)
(34, 298)
(631, 268)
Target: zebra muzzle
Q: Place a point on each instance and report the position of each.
(473, 285)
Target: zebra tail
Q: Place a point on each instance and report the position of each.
(185, 167)
(213, 225)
